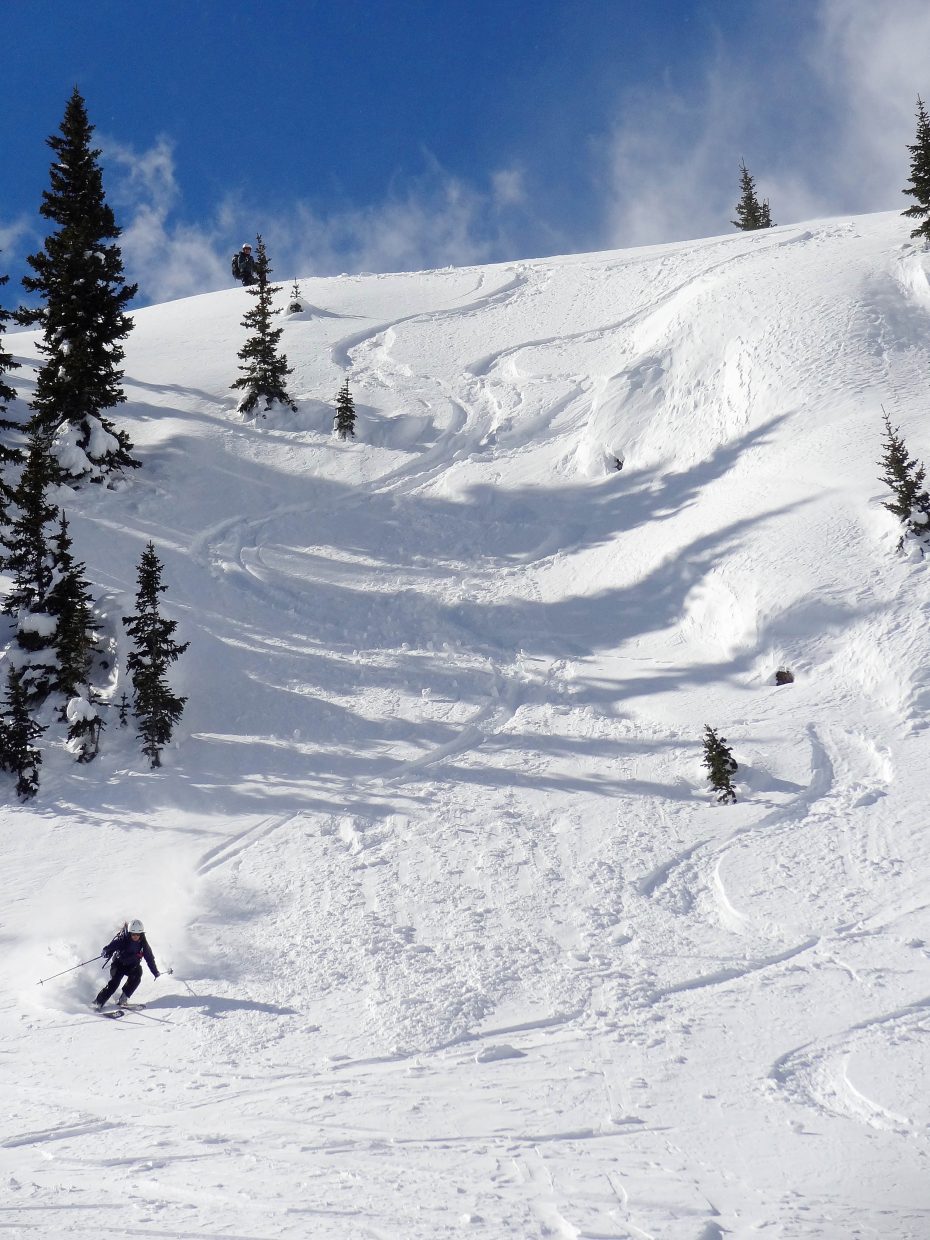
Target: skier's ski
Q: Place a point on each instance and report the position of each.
(112, 1014)
(132, 1007)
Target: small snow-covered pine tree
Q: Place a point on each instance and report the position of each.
(85, 724)
(765, 215)
(79, 275)
(721, 765)
(904, 477)
(919, 185)
(748, 210)
(344, 421)
(265, 369)
(156, 708)
(71, 603)
(295, 305)
(18, 730)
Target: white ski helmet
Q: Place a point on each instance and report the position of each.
(136, 927)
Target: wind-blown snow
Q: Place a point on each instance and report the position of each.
(461, 943)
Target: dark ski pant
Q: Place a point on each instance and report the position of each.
(132, 975)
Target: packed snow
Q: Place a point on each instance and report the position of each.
(462, 943)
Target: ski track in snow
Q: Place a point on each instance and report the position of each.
(461, 944)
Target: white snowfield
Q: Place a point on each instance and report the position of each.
(462, 944)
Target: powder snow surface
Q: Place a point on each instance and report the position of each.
(462, 946)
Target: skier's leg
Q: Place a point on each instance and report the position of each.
(115, 974)
(133, 978)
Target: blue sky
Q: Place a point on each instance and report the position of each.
(397, 134)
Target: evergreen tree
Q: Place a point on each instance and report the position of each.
(265, 371)
(718, 758)
(29, 563)
(344, 421)
(765, 215)
(28, 560)
(904, 477)
(18, 755)
(71, 603)
(156, 708)
(296, 305)
(79, 275)
(919, 187)
(749, 214)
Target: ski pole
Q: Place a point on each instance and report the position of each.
(43, 980)
(187, 988)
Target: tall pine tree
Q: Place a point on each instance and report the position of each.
(79, 275)
(156, 708)
(344, 421)
(919, 187)
(265, 369)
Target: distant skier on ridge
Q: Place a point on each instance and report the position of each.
(126, 951)
(243, 265)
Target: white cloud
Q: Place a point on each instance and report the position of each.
(433, 220)
(872, 58)
(16, 238)
(168, 258)
(508, 187)
(821, 116)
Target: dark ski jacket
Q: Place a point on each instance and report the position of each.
(122, 950)
(243, 267)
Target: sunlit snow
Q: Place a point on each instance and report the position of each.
(462, 943)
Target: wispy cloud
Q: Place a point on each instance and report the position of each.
(435, 219)
(17, 238)
(872, 61)
(169, 258)
(822, 125)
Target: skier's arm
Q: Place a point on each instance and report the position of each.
(149, 959)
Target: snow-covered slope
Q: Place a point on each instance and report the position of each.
(461, 944)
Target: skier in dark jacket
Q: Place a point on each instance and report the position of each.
(243, 265)
(126, 951)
